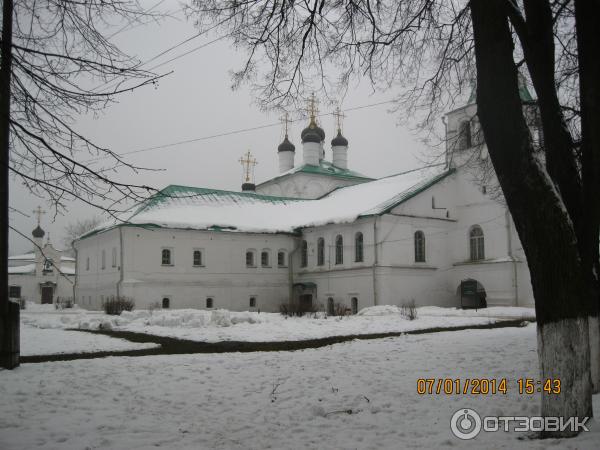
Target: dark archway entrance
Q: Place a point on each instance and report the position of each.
(472, 294)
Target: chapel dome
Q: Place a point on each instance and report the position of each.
(286, 146)
(38, 232)
(313, 128)
(339, 140)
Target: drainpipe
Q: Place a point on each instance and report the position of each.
(510, 253)
(375, 262)
(121, 269)
(447, 159)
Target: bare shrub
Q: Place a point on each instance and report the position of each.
(409, 310)
(297, 308)
(116, 305)
(341, 310)
(63, 303)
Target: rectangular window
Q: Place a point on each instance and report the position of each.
(281, 259)
(264, 259)
(197, 258)
(249, 258)
(87, 263)
(167, 257)
(103, 259)
(14, 292)
(114, 257)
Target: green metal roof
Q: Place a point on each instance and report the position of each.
(524, 93)
(174, 191)
(325, 168)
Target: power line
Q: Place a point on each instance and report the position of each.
(127, 26)
(173, 47)
(229, 133)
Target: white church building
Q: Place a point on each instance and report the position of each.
(45, 275)
(318, 233)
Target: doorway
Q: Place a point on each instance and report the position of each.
(354, 304)
(330, 306)
(47, 294)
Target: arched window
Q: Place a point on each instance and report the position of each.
(252, 302)
(281, 258)
(464, 135)
(166, 302)
(304, 254)
(419, 246)
(264, 258)
(250, 258)
(210, 302)
(166, 257)
(476, 242)
(339, 249)
(320, 252)
(358, 247)
(197, 257)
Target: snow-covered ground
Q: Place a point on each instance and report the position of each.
(222, 325)
(278, 400)
(51, 341)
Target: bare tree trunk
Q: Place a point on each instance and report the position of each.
(9, 312)
(541, 219)
(586, 15)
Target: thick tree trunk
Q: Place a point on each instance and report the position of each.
(588, 46)
(9, 317)
(541, 219)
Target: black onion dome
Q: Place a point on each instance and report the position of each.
(339, 140)
(311, 136)
(38, 232)
(286, 146)
(313, 127)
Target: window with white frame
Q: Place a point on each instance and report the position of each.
(304, 254)
(166, 257)
(419, 246)
(281, 258)
(358, 247)
(197, 258)
(339, 249)
(265, 258)
(476, 243)
(250, 258)
(320, 251)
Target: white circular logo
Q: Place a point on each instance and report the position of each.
(465, 424)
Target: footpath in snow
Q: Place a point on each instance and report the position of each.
(222, 325)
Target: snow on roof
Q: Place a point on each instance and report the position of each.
(21, 270)
(212, 209)
(31, 257)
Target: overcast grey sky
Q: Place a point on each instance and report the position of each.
(197, 101)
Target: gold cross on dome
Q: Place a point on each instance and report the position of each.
(313, 109)
(286, 121)
(248, 164)
(339, 117)
(39, 211)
